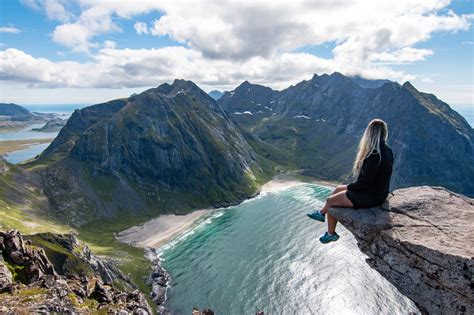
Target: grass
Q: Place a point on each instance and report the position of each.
(33, 291)
(99, 235)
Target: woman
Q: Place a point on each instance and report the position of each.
(373, 169)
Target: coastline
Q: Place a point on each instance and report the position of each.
(158, 231)
(155, 233)
(8, 146)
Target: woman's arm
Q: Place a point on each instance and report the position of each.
(367, 174)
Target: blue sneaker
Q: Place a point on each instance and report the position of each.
(326, 238)
(317, 216)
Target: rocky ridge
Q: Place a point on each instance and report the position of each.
(316, 125)
(30, 283)
(422, 241)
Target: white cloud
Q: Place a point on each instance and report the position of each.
(467, 43)
(127, 68)
(238, 30)
(54, 9)
(11, 30)
(75, 36)
(225, 43)
(404, 55)
(141, 28)
(110, 44)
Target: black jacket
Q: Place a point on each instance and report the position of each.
(375, 174)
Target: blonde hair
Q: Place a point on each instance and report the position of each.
(376, 130)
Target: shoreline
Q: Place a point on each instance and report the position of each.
(155, 233)
(9, 146)
(158, 231)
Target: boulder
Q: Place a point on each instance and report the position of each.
(422, 240)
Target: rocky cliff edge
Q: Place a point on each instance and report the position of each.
(422, 240)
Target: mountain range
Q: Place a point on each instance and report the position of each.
(174, 148)
(316, 124)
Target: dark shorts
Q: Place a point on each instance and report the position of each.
(364, 199)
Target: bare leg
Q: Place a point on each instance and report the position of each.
(339, 199)
(331, 223)
(338, 189)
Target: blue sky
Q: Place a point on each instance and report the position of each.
(89, 51)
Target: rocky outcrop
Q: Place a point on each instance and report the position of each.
(76, 258)
(158, 280)
(422, 241)
(29, 283)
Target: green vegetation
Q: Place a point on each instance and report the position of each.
(15, 270)
(32, 291)
(87, 304)
(99, 235)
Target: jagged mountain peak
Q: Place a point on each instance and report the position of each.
(246, 86)
(178, 86)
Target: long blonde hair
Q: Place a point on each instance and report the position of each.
(376, 131)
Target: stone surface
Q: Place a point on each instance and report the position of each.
(38, 288)
(421, 240)
(5, 274)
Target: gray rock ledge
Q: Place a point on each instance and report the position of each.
(422, 240)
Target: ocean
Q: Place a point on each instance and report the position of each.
(264, 255)
(64, 111)
(467, 111)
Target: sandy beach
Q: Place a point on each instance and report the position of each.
(156, 232)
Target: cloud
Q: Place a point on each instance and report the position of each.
(54, 9)
(128, 68)
(468, 43)
(238, 30)
(11, 30)
(141, 28)
(109, 44)
(223, 44)
(75, 36)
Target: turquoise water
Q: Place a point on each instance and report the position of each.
(264, 255)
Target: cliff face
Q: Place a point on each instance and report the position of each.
(421, 240)
(317, 124)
